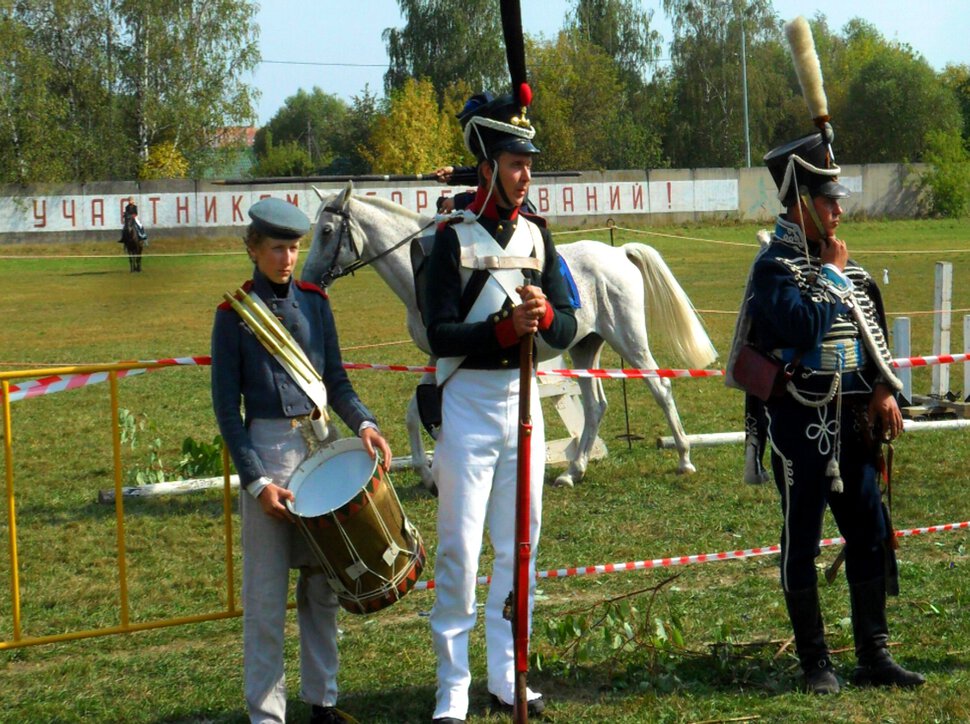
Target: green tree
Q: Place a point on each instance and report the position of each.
(184, 61)
(409, 137)
(622, 29)
(69, 45)
(451, 140)
(117, 77)
(706, 122)
(580, 111)
(946, 184)
(446, 41)
(894, 100)
(957, 79)
(883, 97)
(364, 111)
(286, 159)
(316, 121)
(28, 107)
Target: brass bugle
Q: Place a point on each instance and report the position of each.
(289, 348)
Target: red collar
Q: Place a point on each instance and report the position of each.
(492, 210)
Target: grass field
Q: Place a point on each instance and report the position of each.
(707, 646)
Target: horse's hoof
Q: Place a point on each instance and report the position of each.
(429, 484)
(563, 481)
(686, 469)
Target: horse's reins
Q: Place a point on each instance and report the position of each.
(336, 271)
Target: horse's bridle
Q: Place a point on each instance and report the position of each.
(335, 271)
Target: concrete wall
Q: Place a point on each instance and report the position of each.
(92, 212)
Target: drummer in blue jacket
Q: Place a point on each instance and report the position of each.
(266, 447)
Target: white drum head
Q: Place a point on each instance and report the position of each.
(330, 477)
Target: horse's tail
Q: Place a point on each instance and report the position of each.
(669, 309)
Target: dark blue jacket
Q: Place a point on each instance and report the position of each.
(242, 369)
(796, 303)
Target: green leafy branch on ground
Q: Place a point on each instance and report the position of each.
(133, 429)
(614, 633)
(198, 458)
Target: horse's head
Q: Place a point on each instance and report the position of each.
(347, 224)
(337, 240)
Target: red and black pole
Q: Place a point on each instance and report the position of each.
(523, 534)
(515, 54)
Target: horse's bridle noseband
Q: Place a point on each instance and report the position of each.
(335, 271)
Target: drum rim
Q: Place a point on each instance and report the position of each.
(317, 458)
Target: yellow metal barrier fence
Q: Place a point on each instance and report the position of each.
(125, 625)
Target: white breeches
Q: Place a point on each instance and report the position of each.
(474, 467)
(270, 546)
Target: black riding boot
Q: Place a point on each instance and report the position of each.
(813, 653)
(875, 666)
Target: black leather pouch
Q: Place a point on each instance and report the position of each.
(429, 408)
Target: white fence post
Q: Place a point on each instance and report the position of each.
(902, 350)
(567, 400)
(942, 305)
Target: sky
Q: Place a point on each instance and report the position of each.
(337, 46)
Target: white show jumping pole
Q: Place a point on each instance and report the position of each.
(727, 438)
(943, 304)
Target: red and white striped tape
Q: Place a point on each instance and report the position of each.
(618, 374)
(697, 558)
(387, 368)
(940, 359)
(56, 383)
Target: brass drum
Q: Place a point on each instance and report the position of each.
(346, 507)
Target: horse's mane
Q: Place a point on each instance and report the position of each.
(389, 206)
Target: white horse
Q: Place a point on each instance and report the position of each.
(353, 231)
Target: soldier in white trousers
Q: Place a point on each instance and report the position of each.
(492, 278)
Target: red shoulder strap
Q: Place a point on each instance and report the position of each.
(247, 285)
(309, 287)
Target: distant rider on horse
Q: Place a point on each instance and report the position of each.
(131, 213)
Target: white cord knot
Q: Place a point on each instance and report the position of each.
(833, 471)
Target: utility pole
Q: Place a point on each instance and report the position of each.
(744, 83)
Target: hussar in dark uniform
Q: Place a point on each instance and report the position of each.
(819, 316)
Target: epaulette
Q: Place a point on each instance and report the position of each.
(310, 287)
(535, 219)
(247, 285)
